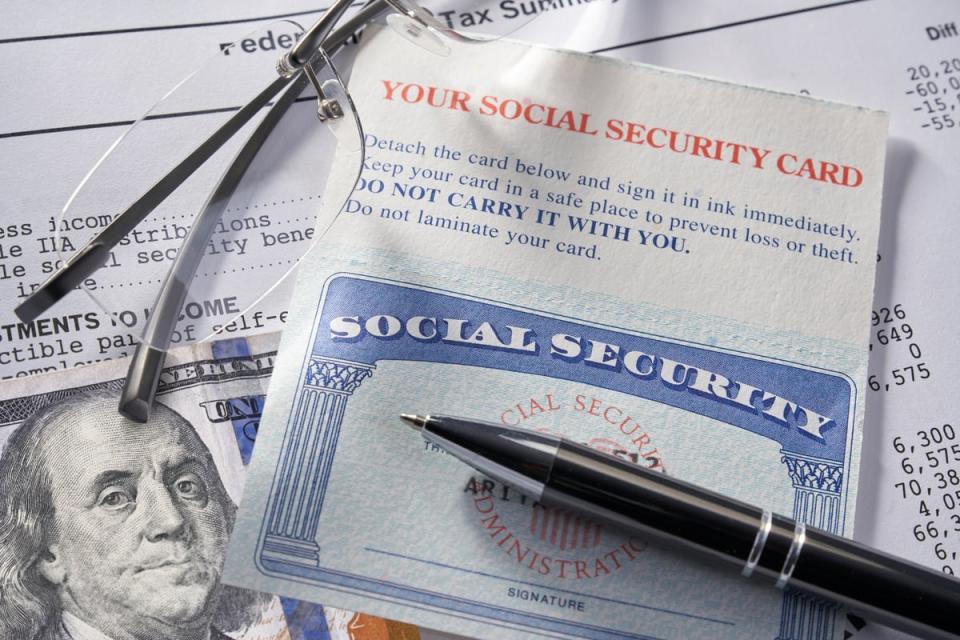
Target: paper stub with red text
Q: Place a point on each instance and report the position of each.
(673, 269)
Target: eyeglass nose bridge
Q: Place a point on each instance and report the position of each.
(327, 108)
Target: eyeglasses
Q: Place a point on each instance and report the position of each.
(213, 191)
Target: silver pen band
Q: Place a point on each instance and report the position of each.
(766, 520)
(790, 562)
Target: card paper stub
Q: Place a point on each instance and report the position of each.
(673, 269)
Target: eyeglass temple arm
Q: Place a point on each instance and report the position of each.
(95, 253)
(143, 375)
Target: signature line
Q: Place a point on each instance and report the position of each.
(540, 586)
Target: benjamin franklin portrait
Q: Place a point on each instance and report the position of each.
(113, 530)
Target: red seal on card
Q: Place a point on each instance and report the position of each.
(557, 542)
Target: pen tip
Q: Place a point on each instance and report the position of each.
(415, 422)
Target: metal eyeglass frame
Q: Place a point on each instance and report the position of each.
(294, 73)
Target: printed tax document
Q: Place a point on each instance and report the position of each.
(670, 268)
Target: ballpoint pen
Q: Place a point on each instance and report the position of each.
(558, 472)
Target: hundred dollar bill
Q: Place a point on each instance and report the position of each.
(111, 530)
(673, 269)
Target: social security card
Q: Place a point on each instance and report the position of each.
(675, 270)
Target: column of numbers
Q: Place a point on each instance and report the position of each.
(930, 472)
(934, 90)
(892, 330)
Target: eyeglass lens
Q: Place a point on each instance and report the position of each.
(259, 231)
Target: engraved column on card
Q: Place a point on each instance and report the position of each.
(306, 458)
(817, 483)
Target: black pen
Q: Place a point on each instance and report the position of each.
(558, 472)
